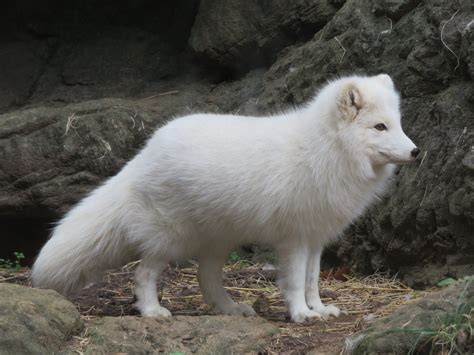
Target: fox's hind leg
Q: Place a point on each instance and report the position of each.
(210, 282)
(146, 275)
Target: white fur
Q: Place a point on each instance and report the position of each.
(205, 184)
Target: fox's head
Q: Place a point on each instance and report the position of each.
(367, 120)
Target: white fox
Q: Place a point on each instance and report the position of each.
(206, 183)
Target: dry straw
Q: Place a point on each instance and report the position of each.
(363, 300)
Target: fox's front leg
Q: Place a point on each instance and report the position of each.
(313, 299)
(293, 263)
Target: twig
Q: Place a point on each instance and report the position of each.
(133, 118)
(421, 163)
(174, 92)
(459, 140)
(424, 195)
(322, 33)
(107, 147)
(133, 122)
(445, 44)
(468, 26)
(343, 48)
(70, 123)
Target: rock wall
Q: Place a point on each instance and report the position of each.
(236, 36)
(235, 56)
(60, 52)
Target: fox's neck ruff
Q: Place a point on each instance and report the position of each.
(325, 150)
(338, 179)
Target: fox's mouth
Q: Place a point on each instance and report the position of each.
(397, 160)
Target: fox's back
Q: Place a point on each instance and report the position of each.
(219, 169)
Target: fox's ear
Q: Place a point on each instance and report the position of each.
(385, 79)
(350, 101)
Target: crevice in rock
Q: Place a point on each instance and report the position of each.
(25, 235)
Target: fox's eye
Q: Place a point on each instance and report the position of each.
(380, 127)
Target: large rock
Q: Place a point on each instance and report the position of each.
(51, 157)
(35, 321)
(427, 220)
(60, 52)
(181, 334)
(413, 327)
(422, 230)
(239, 35)
(21, 64)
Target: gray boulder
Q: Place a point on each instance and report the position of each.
(52, 157)
(444, 315)
(239, 35)
(70, 52)
(423, 228)
(181, 334)
(35, 321)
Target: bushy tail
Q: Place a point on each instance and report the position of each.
(90, 239)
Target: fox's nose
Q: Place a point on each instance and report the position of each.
(415, 152)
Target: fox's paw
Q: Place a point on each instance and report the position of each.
(239, 309)
(325, 311)
(304, 315)
(155, 312)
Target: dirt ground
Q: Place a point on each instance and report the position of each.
(363, 300)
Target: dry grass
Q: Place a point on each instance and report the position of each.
(444, 42)
(343, 48)
(174, 92)
(363, 299)
(21, 277)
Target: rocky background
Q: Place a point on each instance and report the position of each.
(83, 84)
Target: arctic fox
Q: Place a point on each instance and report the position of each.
(206, 183)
